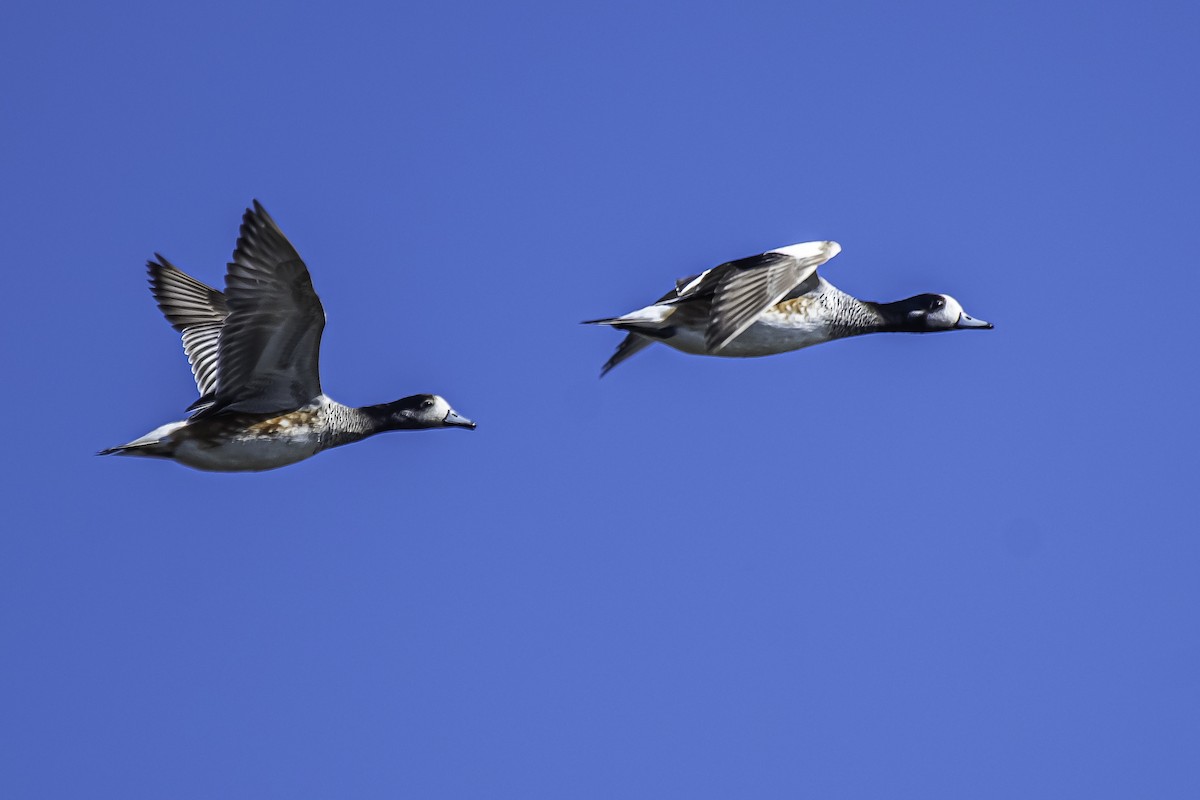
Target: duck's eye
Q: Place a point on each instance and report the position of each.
(937, 304)
(427, 404)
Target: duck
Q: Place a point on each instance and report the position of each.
(254, 352)
(774, 302)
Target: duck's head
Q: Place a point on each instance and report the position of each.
(425, 411)
(926, 313)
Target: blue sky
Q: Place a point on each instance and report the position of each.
(960, 565)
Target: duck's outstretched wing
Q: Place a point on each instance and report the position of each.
(197, 311)
(270, 345)
(744, 289)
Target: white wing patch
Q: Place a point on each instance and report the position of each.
(822, 250)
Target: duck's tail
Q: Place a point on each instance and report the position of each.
(647, 319)
(157, 449)
(645, 326)
(629, 347)
(152, 444)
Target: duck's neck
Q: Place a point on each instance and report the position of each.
(385, 416)
(853, 317)
(348, 424)
(891, 317)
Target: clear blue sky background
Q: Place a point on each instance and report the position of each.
(961, 565)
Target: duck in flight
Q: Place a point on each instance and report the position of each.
(254, 351)
(772, 303)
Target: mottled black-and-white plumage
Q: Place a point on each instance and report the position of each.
(772, 303)
(255, 351)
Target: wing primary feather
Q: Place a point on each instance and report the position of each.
(196, 310)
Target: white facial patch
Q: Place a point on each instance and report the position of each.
(436, 412)
(946, 316)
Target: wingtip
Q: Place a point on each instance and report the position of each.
(715, 346)
(155, 269)
(257, 217)
(255, 214)
(717, 336)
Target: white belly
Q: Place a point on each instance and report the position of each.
(771, 333)
(250, 454)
